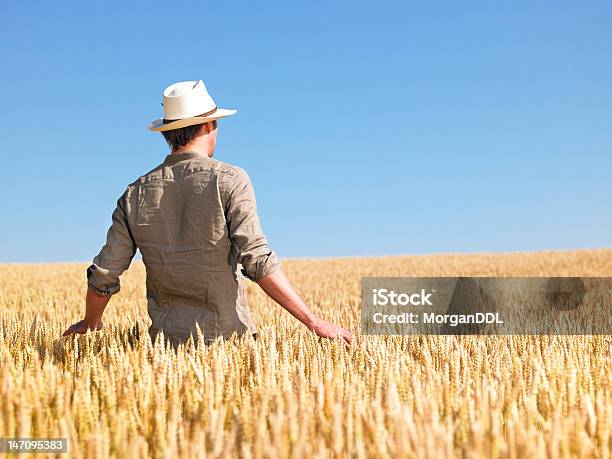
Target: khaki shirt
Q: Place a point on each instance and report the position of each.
(195, 222)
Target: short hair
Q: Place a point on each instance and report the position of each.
(180, 137)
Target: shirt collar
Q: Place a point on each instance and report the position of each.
(174, 157)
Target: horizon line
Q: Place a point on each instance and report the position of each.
(332, 257)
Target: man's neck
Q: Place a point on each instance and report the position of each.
(187, 149)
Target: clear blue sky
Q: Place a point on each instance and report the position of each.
(367, 127)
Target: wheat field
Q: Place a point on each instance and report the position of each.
(288, 394)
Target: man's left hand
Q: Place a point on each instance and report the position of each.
(82, 327)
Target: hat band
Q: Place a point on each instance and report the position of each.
(203, 114)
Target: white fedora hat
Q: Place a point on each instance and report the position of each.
(187, 103)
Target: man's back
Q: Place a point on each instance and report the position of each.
(194, 220)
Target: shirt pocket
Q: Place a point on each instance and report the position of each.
(150, 203)
(203, 203)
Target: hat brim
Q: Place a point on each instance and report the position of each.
(158, 124)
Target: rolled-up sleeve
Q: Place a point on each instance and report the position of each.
(115, 256)
(245, 231)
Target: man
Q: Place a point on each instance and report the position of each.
(195, 222)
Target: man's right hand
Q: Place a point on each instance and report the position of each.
(325, 329)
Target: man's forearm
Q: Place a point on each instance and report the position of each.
(278, 287)
(94, 308)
